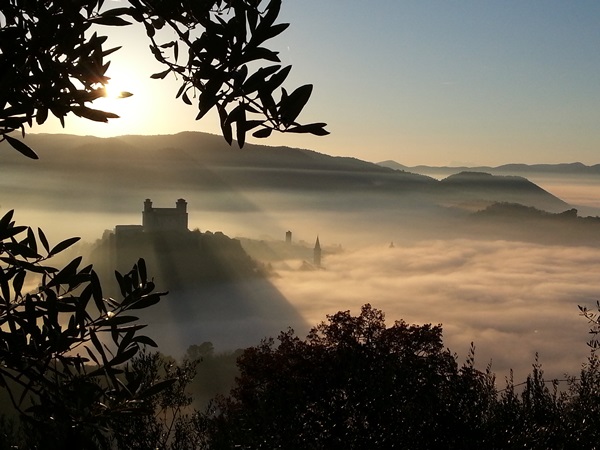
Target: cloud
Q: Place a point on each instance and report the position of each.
(511, 299)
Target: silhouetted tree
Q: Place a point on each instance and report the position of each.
(62, 344)
(196, 352)
(354, 383)
(51, 63)
(169, 426)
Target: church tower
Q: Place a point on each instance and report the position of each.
(317, 254)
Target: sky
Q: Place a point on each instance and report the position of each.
(437, 82)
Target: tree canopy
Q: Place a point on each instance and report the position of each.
(52, 63)
(355, 383)
(352, 383)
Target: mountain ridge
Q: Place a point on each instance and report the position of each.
(201, 162)
(87, 172)
(571, 168)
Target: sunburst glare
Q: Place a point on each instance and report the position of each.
(117, 88)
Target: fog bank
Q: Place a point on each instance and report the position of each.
(511, 299)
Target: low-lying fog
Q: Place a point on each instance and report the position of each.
(512, 299)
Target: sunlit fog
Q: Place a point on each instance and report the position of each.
(426, 249)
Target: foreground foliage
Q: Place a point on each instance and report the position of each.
(62, 344)
(52, 63)
(166, 427)
(355, 383)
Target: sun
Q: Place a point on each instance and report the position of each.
(115, 91)
(116, 88)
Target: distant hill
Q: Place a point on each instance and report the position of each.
(517, 222)
(514, 169)
(204, 161)
(107, 171)
(477, 185)
(188, 258)
(216, 291)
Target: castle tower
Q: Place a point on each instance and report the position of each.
(288, 237)
(165, 219)
(147, 214)
(317, 253)
(182, 219)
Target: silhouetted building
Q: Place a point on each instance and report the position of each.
(317, 254)
(174, 255)
(165, 219)
(130, 238)
(288, 237)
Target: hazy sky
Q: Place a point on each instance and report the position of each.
(421, 82)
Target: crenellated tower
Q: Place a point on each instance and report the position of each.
(165, 219)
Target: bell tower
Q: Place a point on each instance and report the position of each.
(317, 253)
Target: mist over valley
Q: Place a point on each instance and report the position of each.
(497, 258)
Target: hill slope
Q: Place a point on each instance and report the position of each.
(198, 162)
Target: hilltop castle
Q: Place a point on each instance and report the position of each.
(177, 256)
(157, 219)
(127, 238)
(165, 219)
